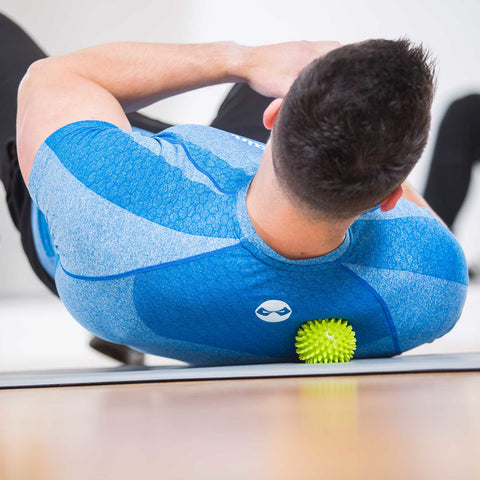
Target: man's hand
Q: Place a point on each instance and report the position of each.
(271, 69)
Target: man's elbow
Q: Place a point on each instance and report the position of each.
(33, 75)
(30, 90)
(36, 71)
(37, 66)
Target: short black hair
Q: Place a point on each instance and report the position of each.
(353, 125)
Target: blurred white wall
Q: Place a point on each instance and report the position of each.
(449, 28)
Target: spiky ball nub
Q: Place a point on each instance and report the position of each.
(329, 340)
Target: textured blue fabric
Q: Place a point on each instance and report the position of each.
(150, 244)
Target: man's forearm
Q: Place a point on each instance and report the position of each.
(139, 74)
(105, 81)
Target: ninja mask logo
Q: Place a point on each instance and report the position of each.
(273, 311)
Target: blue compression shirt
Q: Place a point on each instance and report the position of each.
(150, 244)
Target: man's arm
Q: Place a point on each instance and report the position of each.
(105, 81)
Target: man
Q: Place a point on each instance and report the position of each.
(209, 247)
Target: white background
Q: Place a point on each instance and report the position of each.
(450, 29)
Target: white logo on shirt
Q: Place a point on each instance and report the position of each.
(273, 311)
(249, 142)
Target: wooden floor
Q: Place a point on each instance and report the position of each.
(424, 426)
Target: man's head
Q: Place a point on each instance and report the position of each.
(352, 126)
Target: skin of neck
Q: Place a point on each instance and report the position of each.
(282, 225)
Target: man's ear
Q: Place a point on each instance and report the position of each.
(390, 202)
(270, 113)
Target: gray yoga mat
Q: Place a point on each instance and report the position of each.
(402, 364)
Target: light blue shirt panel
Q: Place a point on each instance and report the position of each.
(418, 243)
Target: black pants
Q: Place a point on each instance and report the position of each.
(456, 150)
(240, 113)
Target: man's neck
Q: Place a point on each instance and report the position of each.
(280, 224)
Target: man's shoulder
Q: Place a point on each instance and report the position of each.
(403, 209)
(118, 201)
(416, 268)
(409, 238)
(206, 142)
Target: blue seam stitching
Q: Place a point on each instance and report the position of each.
(174, 141)
(146, 269)
(384, 306)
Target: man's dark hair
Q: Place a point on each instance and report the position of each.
(353, 125)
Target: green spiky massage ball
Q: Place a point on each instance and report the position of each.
(329, 340)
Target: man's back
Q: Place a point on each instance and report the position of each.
(154, 248)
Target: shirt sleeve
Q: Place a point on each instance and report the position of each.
(90, 179)
(117, 202)
(93, 151)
